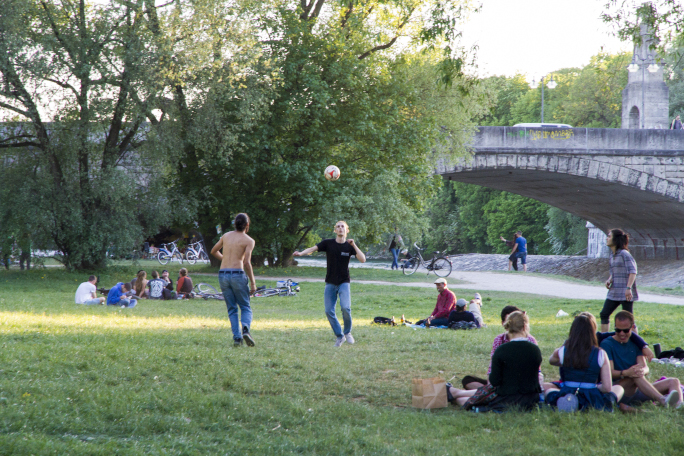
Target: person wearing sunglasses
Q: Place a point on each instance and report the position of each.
(629, 369)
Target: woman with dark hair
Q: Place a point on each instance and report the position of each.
(621, 283)
(584, 371)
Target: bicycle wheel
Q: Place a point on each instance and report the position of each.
(163, 258)
(205, 288)
(442, 267)
(410, 266)
(268, 292)
(191, 257)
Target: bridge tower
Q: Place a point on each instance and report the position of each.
(645, 100)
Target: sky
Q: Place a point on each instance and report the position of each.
(535, 37)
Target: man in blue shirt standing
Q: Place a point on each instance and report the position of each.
(520, 249)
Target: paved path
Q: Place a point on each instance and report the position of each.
(519, 283)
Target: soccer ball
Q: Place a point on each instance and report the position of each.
(332, 173)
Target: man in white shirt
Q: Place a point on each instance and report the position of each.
(87, 293)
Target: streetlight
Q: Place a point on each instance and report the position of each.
(552, 85)
(634, 67)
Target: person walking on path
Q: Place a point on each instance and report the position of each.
(676, 124)
(337, 281)
(621, 283)
(520, 249)
(236, 277)
(512, 259)
(394, 250)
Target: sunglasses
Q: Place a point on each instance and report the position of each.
(618, 330)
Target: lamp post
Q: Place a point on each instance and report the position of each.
(551, 84)
(634, 67)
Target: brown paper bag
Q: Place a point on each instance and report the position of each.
(429, 393)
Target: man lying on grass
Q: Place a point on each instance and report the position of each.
(629, 369)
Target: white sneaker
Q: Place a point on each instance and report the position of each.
(350, 339)
(339, 342)
(672, 399)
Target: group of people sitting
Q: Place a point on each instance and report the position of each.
(449, 310)
(603, 371)
(127, 294)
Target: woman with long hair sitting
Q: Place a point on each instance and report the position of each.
(584, 370)
(515, 370)
(141, 284)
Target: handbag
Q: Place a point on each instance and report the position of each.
(483, 396)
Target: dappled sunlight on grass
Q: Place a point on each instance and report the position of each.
(19, 322)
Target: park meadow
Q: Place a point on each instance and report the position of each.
(163, 377)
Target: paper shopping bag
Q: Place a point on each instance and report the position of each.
(429, 393)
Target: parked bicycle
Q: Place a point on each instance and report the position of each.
(206, 291)
(196, 252)
(165, 255)
(440, 263)
(284, 288)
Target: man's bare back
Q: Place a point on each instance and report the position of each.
(234, 249)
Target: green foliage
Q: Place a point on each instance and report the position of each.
(81, 79)
(323, 92)
(471, 218)
(567, 232)
(508, 91)
(162, 378)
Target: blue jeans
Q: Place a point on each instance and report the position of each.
(235, 288)
(127, 303)
(395, 258)
(331, 294)
(522, 256)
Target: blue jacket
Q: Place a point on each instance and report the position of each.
(115, 294)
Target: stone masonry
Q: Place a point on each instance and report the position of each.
(614, 178)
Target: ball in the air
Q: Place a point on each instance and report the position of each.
(332, 173)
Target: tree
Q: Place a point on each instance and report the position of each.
(567, 232)
(349, 84)
(83, 81)
(508, 91)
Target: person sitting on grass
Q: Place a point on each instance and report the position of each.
(585, 370)
(117, 295)
(184, 286)
(471, 382)
(445, 304)
(157, 288)
(629, 369)
(140, 285)
(87, 293)
(515, 370)
(460, 314)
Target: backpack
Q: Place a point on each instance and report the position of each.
(382, 321)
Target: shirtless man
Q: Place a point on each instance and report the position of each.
(235, 262)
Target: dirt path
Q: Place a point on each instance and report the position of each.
(519, 283)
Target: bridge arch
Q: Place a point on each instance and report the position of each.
(635, 188)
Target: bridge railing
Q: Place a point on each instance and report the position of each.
(605, 140)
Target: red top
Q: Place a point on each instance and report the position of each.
(446, 302)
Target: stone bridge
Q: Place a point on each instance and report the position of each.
(614, 178)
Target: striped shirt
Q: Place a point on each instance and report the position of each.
(622, 264)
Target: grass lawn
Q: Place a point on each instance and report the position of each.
(163, 378)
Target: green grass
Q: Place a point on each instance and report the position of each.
(162, 378)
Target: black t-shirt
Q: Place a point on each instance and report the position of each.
(462, 316)
(338, 256)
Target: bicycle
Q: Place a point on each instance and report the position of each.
(206, 291)
(440, 264)
(165, 255)
(196, 252)
(289, 288)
